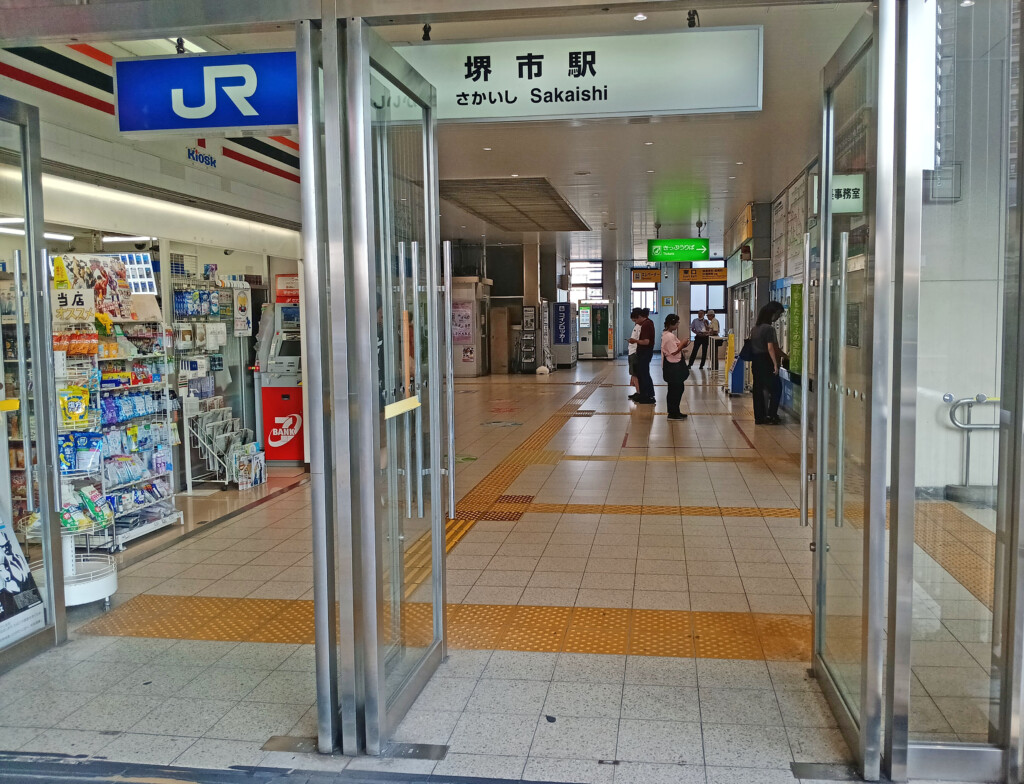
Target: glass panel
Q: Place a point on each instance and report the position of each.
(403, 529)
(25, 601)
(716, 297)
(698, 296)
(848, 379)
(957, 658)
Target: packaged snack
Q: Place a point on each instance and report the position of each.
(66, 452)
(74, 404)
(88, 451)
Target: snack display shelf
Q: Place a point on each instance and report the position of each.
(137, 509)
(133, 387)
(134, 420)
(152, 478)
(92, 577)
(141, 357)
(148, 528)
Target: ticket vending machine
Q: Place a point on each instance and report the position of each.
(597, 339)
(279, 414)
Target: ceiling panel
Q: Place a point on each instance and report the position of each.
(523, 204)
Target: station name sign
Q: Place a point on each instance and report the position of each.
(687, 72)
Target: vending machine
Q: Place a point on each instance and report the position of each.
(565, 337)
(279, 414)
(597, 337)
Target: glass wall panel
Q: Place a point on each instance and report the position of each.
(966, 365)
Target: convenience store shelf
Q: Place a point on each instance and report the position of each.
(152, 478)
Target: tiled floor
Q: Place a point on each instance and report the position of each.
(571, 498)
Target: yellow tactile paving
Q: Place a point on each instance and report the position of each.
(660, 459)
(723, 635)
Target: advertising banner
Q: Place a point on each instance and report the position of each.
(21, 604)
(286, 289)
(563, 329)
(243, 312)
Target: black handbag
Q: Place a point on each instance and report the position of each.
(747, 352)
(674, 372)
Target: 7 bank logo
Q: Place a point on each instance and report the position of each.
(287, 428)
(237, 93)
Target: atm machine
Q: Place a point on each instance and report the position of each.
(278, 372)
(597, 337)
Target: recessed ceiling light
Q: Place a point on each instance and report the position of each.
(650, 171)
(640, 18)
(462, 227)
(966, 3)
(488, 149)
(732, 176)
(648, 144)
(515, 175)
(739, 163)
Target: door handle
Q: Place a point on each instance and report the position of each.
(449, 371)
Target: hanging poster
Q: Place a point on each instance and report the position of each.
(243, 312)
(21, 605)
(122, 285)
(796, 321)
(462, 322)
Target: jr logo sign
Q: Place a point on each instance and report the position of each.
(287, 428)
(207, 92)
(236, 92)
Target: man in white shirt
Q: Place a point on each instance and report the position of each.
(637, 316)
(714, 328)
(699, 328)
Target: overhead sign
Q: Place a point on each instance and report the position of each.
(847, 193)
(703, 275)
(687, 72)
(696, 249)
(211, 93)
(647, 275)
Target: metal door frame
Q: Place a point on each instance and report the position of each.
(872, 37)
(26, 119)
(364, 52)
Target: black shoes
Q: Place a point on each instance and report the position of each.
(635, 396)
(679, 418)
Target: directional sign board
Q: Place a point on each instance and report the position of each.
(209, 93)
(692, 249)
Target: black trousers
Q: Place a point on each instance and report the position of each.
(642, 368)
(767, 388)
(675, 374)
(699, 342)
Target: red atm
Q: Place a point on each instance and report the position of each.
(282, 423)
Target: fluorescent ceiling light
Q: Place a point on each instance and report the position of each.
(640, 18)
(12, 220)
(48, 235)
(129, 239)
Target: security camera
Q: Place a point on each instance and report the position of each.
(657, 225)
(141, 245)
(228, 251)
(426, 32)
(692, 19)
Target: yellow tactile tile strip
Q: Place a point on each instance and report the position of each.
(661, 459)
(711, 635)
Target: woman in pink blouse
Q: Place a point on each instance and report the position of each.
(673, 369)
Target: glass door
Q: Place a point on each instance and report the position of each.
(31, 562)
(391, 122)
(851, 453)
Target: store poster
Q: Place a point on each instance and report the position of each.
(286, 289)
(70, 306)
(462, 322)
(243, 312)
(469, 354)
(780, 217)
(8, 302)
(21, 605)
(796, 226)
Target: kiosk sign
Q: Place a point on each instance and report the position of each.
(687, 249)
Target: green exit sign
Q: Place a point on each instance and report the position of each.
(678, 250)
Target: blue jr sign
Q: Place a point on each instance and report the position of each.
(216, 93)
